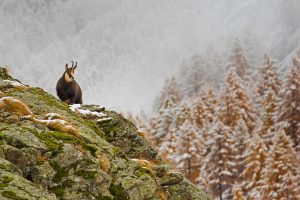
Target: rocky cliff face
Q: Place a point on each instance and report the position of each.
(82, 152)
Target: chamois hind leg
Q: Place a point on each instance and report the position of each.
(74, 100)
(77, 99)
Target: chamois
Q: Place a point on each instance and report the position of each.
(67, 88)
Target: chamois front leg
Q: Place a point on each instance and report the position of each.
(68, 101)
(73, 100)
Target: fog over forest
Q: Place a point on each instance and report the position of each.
(126, 49)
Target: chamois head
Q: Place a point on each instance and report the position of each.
(69, 72)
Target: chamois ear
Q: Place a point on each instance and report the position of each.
(66, 67)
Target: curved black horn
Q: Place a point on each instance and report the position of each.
(75, 65)
(72, 64)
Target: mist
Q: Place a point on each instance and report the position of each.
(126, 49)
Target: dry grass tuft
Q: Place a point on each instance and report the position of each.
(162, 194)
(41, 159)
(104, 162)
(14, 106)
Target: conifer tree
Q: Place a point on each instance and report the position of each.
(182, 145)
(269, 117)
(290, 105)
(268, 77)
(255, 160)
(189, 145)
(219, 169)
(170, 94)
(167, 148)
(237, 193)
(169, 144)
(209, 105)
(198, 113)
(238, 62)
(159, 125)
(281, 175)
(234, 104)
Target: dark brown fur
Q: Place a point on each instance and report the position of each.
(69, 92)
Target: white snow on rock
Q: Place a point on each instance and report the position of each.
(104, 119)
(14, 84)
(77, 108)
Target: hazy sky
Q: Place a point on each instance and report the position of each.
(126, 48)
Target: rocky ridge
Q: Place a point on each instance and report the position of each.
(101, 155)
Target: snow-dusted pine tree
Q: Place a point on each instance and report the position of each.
(237, 193)
(159, 125)
(234, 104)
(280, 179)
(188, 148)
(238, 62)
(169, 143)
(255, 160)
(219, 169)
(268, 78)
(267, 123)
(170, 94)
(290, 105)
(209, 105)
(198, 112)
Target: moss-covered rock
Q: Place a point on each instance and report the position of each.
(100, 162)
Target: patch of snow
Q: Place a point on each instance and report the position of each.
(226, 173)
(14, 83)
(52, 115)
(104, 119)
(76, 108)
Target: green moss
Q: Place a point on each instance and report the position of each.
(94, 127)
(110, 137)
(68, 183)
(47, 139)
(2, 166)
(1, 136)
(118, 192)
(64, 137)
(100, 197)
(40, 162)
(91, 148)
(51, 138)
(86, 174)
(60, 171)
(5, 180)
(57, 190)
(11, 195)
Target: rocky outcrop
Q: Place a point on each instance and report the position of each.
(102, 158)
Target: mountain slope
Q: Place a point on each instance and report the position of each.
(83, 153)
